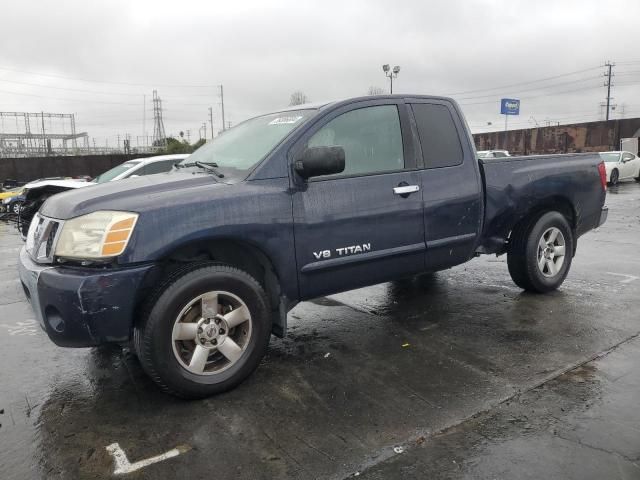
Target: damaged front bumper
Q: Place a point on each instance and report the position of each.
(82, 307)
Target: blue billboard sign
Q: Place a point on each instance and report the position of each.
(510, 106)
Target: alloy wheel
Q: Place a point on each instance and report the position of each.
(211, 333)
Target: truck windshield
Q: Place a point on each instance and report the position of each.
(243, 146)
(610, 157)
(114, 172)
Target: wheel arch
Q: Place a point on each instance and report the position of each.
(238, 253)
(555, 203)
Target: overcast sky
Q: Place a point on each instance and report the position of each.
(261, 51)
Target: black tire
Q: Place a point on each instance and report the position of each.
(522, 255)
(153, 340)
(614, 177)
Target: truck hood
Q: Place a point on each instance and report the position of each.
(137, 194)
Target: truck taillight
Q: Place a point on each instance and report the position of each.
(603, 175)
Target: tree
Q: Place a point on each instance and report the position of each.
(374, 90)
(198, 144)
(298, 98)
(177, 146)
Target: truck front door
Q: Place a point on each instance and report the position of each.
(364, 225)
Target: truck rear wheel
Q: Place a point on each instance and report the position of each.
(540, 252)
(203, 331)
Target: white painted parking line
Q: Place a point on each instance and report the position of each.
(628, 278)
(123, 466)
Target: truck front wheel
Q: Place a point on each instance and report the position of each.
(540, 252)
(203, 331)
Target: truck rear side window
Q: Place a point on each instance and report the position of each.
(370, 136)
(438, 135)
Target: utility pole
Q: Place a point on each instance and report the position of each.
(211, 119)
(144, 115)
(159, 135)
(222, 106)
(607, 84)
(44, 142)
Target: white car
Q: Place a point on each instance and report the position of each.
(140, 166)
(128, 169)
(492, 153)
(621, 166)
(36, 193)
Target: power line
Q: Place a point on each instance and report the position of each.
(535, 88)
(549, 94)
(102, 81)
(65, 99)
(96, 92)
(524, 83)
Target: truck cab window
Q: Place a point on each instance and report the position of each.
(438, 135)
(370, 136)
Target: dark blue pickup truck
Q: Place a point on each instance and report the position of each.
(199, 266)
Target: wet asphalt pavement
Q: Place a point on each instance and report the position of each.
(454, 375)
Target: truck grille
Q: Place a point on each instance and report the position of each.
(41, 239)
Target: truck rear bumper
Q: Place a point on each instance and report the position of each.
(604, 213)
(82, 307)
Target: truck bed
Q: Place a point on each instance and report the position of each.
(514, 186)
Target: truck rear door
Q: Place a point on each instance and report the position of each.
(451, 184)
(364, 225)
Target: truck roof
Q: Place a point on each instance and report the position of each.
(321, 105)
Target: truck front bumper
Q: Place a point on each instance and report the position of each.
(82, 307)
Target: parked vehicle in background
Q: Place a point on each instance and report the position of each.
(198, 267)
(11, 199)
(492, 153)
(35, 193)
(12, 204)
(140, 167)
(10, 184)
(621, 165)
(11, 192)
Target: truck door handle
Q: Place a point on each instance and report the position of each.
(405, 190)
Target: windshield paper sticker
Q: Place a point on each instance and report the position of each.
(284, 120)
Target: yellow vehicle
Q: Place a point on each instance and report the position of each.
(11, 193)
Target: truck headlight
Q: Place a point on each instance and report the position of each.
(98, 235)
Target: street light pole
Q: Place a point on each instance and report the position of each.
(391, 74)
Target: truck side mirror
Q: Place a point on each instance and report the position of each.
(317, 161)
